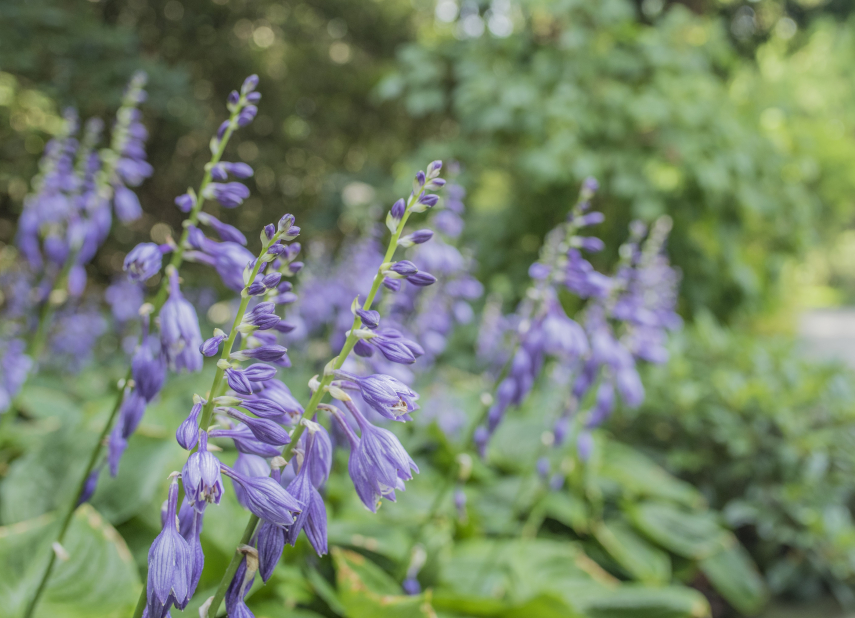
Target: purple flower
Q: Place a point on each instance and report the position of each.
(89, 486)
(201, 476)
(266, 353)
(170, 563)
(313, 518)
(180, 336)
(211, 346)
(131, 412)
(416, 238)
(143, 261)
(271, 542)
(398, 209)
(371, 318)
(378, 464)
(390, 397)
(421, 279)
(125, 298)
(245, 442)
(186, 202)
(251, 466)
(263, 429)
(148, 368)
(224, 230)
(187, 433)
(266, 498)
(238, 381)
(127, 204)
(229, 195)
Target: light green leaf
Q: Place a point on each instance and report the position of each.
(569, 509)
(635, 601)
(98, 580)
(690, 534)
(735, 577)
(638, 476)
(642, 560)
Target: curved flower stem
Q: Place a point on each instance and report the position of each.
(316, 399)
(157, 302)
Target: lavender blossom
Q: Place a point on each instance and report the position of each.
(170, 563)
(201, 476)
(179, 330)
(313, 518)
(266, 498)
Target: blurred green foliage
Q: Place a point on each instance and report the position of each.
(768, 436)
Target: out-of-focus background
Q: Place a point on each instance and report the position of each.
(735, 118)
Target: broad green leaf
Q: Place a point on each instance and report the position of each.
(325, 590)
(46, 477)
(735, 577)
(98, 580)
(691, 534)
(569, 509)
(142, 478)
(642, 560)
(366, 591)
(638, 476)
(541, 606)
(636, 601)
(467, 605)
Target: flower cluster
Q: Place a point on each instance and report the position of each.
(178, 346)
(254, 409)
(626, 318)
(65, 220)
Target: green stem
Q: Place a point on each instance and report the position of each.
(316, 399)
(157, 302)
(72, 507)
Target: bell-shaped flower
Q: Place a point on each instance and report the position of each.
(390, 397)
(201, 476)
(250, 466)
(187, 434)
(170, 563)
(263, 429)
(148, 368)
(180, 336)
(313, 517)
(271, 542)
(378, 463)
(266, 498)
(143, 261)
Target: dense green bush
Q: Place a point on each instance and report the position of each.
(769, 437)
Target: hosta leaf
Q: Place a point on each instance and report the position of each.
(98, 580)
(635, 601)
(691, 534)
(637, 475)
(735, 577)
(569, 509)
(366, 591)
(642, 560)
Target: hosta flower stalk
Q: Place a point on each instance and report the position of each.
(193, 202)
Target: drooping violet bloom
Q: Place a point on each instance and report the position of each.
(229, 195)
(263, 429)
(240, 585)
(180, 336)
(170, 563)
(250, 466)
(266, 498)
(201, 476)
(378, 464)
(89, 486)
(271, 542)
(388, 396)
(313, 518)
(148, 366)
(225, 231)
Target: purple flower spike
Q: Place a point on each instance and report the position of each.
(170, 563)
(187, 433)
(143, 261)
(271, 542)
(201, 476)
(263, 429)
(185, 202)
(180, 336)
(266, 498)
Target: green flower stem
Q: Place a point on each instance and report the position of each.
(316, 399)
(157, 303)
